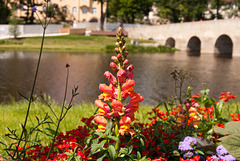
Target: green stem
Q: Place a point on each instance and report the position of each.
(117, 135)
(31, 96)
(61, 116)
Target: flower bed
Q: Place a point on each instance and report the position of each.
(193, 130)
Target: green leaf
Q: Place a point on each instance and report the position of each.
(123, 150)
(113, 138)
(208, 103)
(101, 145)
(130, 148)
(101, 156)
(219, 130)
(232, 144)
(232, 127)
(108, 128)
(100, 134)
(138, 155)
(142, 142)
(112, 152)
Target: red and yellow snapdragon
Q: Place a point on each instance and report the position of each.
(110, 102)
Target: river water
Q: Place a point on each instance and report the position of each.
(151, 73)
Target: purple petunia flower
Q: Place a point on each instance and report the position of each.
(56, 5)
(221, 150)
(34, 9)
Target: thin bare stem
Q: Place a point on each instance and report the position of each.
(61, 114)
(49, 107)
(32, 92)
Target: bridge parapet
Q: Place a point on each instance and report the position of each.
(211, 34)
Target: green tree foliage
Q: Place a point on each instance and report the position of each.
(128, 11)
(4, 12)
(182, 10)
(14, 29)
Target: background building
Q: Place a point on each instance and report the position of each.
(68, 10)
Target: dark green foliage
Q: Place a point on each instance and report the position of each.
(182, 10)
(128, 11)
(4, 12)
(141, 49)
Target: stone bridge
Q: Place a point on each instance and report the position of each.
(215, 36)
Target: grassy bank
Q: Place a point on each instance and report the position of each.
(70, 43)
(13, 115)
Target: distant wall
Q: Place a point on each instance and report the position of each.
(29, 30)
(107, 26)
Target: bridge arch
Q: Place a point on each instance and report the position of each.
(223, 45)
(170, 42)
(194, 44)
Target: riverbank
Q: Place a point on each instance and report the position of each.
(77, 43)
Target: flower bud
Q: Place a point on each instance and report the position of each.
(126, 53)
(113, 66)
(119, 30)
(121, 74)
(123, 48)
(114, 58)
(130, 67)
(126, 61)
(117, 44)
(119, 56)
(116, 50)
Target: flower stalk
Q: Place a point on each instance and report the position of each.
(110, 102)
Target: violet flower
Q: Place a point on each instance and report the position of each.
(34, 9)
(227, 157)
(190, 139)
(184, 146)
(221, 150)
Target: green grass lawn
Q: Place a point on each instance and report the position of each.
(13, 115)
(63, 43)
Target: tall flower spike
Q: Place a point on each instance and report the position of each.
(110, 102)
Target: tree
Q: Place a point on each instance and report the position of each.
(14, 29)
(102, 17)
(128, 11)
(217, 4)
(4, 12)
(178, 10)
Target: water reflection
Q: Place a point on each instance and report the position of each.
(152, 74)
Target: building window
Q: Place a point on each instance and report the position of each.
(84, 10)
(74, 10)
(64, 9)
(94, 10)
